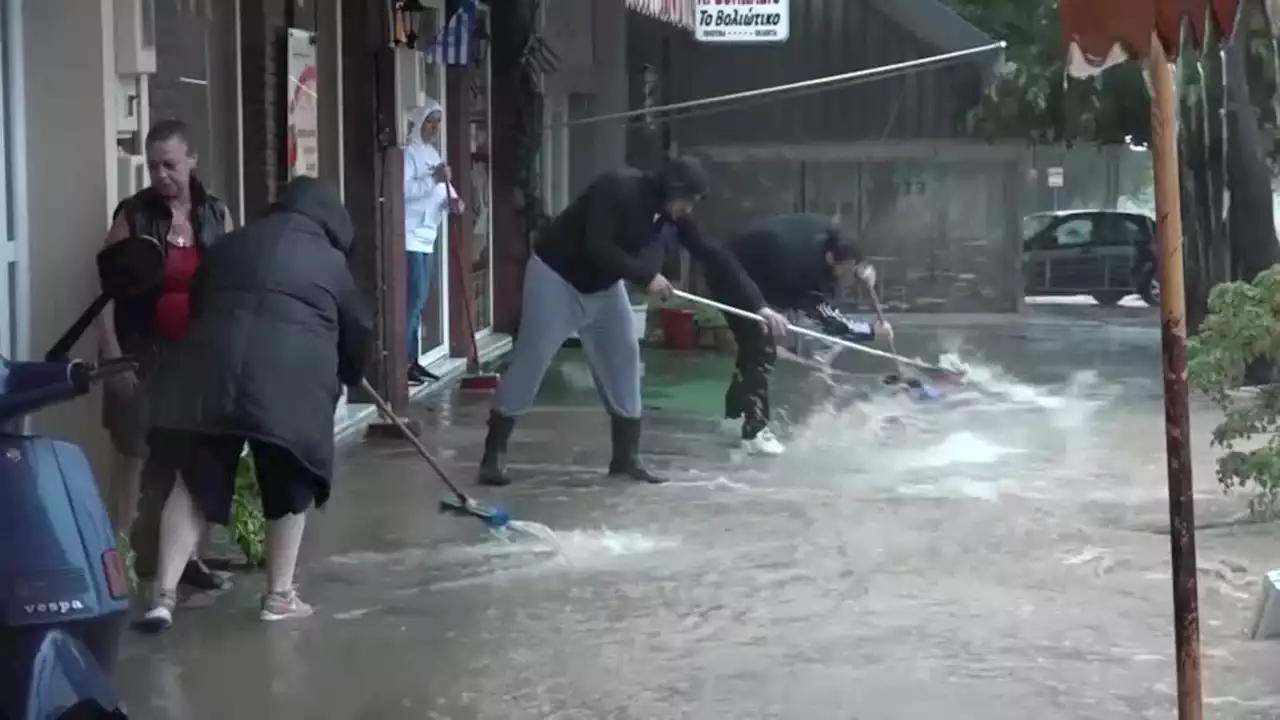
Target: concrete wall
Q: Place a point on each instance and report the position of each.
(590, 36)
(71, 180)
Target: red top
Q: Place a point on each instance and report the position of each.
(173, 311)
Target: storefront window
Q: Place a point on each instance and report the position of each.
(481, 255)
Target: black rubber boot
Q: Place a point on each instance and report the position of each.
(493, 466)
(626, 452)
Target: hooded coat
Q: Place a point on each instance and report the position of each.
(425, 199)
(786, 256)
(615, 230)
(277, 328)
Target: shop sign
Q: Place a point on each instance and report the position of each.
(742, 21)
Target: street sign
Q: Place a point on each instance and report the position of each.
(1055, 177)
(742, 21)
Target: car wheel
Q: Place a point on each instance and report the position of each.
(1149, 288)
(1108, 298)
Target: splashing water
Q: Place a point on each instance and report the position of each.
(991, 380)
(536, 530)
(961, 448)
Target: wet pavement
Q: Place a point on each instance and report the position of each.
(1000, 555)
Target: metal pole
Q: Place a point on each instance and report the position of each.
(1173, 341)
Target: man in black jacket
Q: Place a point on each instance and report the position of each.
(618, 229)
(797, 261)
(277, 329)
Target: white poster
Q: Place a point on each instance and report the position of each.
(303, 141)
(742, 21)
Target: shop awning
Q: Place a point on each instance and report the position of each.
(1102, 33)
(675, 12)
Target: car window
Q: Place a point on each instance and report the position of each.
(1074, 233)
(1033, 224)
(1136, 231)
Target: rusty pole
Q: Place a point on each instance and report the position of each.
(1173, 341)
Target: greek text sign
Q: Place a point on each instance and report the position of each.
(742, 21)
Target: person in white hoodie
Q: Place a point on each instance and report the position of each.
(428, 195)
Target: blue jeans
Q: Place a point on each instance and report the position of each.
(420, 267)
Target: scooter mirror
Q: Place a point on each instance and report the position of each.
(131, 266)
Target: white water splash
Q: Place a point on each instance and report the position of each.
(960, 448)
(992, 380)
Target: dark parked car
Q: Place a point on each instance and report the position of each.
(1104, 253)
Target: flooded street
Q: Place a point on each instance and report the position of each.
(1000, 554)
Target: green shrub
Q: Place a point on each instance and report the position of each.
(1242, 331)
(248, 525)
(125, 549)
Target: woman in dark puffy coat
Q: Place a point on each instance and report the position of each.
(277, 329)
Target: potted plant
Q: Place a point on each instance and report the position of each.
(248, 525)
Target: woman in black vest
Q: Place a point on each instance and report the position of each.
(178, 211)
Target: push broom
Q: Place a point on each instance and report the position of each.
(457, 503)
(474, 379)
(935, 373)
(924, 367)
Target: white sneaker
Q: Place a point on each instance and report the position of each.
(159, 617)
(284, 605)
(764, 443)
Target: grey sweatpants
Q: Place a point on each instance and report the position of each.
(552, 310)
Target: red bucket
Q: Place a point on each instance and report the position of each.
(679, 331)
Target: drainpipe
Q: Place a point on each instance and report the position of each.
(16, 147)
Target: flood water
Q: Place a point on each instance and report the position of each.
(998, 554)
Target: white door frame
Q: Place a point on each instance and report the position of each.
(414, 61)
(15, 337)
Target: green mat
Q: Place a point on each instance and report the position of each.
(691, 382)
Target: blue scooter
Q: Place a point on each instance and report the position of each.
(64, 587)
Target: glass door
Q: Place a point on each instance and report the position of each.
(418, 80)
(481, 195)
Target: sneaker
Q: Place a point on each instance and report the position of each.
(419, 375)
(196, 576)
(159, 617)
(764, 443)
(284, 605)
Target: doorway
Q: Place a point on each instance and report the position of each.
(416, 80)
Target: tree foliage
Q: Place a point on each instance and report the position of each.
(1242, 330)
(1034, 100)
(1228, 107)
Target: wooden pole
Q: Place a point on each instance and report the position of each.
(1173, 341)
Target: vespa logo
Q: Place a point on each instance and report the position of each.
(61, 607)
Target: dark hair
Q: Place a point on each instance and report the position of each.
(683, 178)
(841, 248)
(169, 129)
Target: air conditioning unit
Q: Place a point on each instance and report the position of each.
(135, 22)
(131, 174)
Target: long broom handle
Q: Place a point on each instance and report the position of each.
(805, 331)
(412, 437)
(875, 301)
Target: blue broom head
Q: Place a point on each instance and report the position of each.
(493, 518)
(927, 393)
